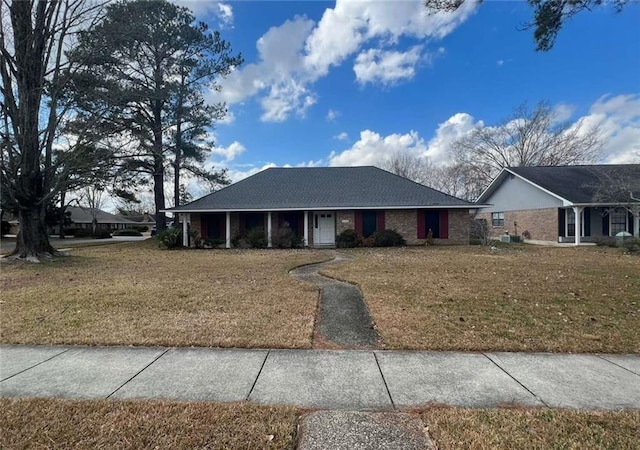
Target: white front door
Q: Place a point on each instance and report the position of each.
(324, 228)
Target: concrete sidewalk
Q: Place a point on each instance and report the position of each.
(356, 380)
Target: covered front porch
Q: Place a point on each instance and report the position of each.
(596, 222)
(230, 229)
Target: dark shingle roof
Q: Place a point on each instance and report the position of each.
(322, 187)
(585, 184)
(85, 215)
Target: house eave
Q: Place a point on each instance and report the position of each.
(321, 208)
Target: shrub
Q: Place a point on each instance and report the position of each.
(369, 242)
(630, 244)
(236, 240)
(82, 232)
(348, 239)
(141, 228)
(604, 241)
(127, 232)
(170, 238)
(255, 238)
(284, 237)
(5, 228)
(213, 242)
(101, 234)
(388, 238)
(195, 239)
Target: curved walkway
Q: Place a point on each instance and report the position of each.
(343, 319)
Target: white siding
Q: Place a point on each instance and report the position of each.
(515, 194)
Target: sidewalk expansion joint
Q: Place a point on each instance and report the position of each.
(258, 376)
(516, 380)
(139, 372)
(617, 365)
(36, 365)
(393, 405)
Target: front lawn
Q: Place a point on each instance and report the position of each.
(517, 298)
(137, 294)
(57, 423)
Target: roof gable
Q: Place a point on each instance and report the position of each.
(323, 187)
(586, 184)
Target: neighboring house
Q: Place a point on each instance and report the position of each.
(551, 203)
(83, 218)
(319, 203)
(144, 220)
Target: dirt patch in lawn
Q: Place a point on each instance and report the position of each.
(53, 423)
(519, 298)
(137, 294)
(453, 428)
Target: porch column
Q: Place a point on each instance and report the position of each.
(306, 229)
(269, 243)
(227, 231)
(577, 210)
(186, 218)
(636, 221)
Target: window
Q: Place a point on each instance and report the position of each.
(434, 220)
(571, 223)
(618, 218)
(497, 219)
(369, 223)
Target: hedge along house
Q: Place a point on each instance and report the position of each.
(551, 203)
(319, 203)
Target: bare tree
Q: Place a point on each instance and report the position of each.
(530, 137)
(34, 72)
(92, 198)
(407, 165)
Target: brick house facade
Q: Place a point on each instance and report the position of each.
(319, 203)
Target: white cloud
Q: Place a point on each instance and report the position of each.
(619, 121)
(230, 152)
(225, 15)
(332, 114)
(386, 67)
(342, 136)
(372, 148)
(500, 62)
(292, 56)
(563, 112)
(449, 131)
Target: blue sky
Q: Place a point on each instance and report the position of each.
(349, 83)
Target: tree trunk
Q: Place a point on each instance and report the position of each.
(32, 243)
(62, 214)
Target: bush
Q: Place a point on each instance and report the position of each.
(80, 232)
(348, 239)
(213, 242)
(170, 238)
(5, 228)
(604, 241)
(101, 234)
(127, 232)
(256, 238)
(284, 237)
(388, 238)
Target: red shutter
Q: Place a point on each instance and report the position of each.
(203, 226)
(444, 224)
(358, 222)
(380, 221)
(223, 225)
(422, 226)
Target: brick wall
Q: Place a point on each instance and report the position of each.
(405, 222)
(542, 224)
(341, 221)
